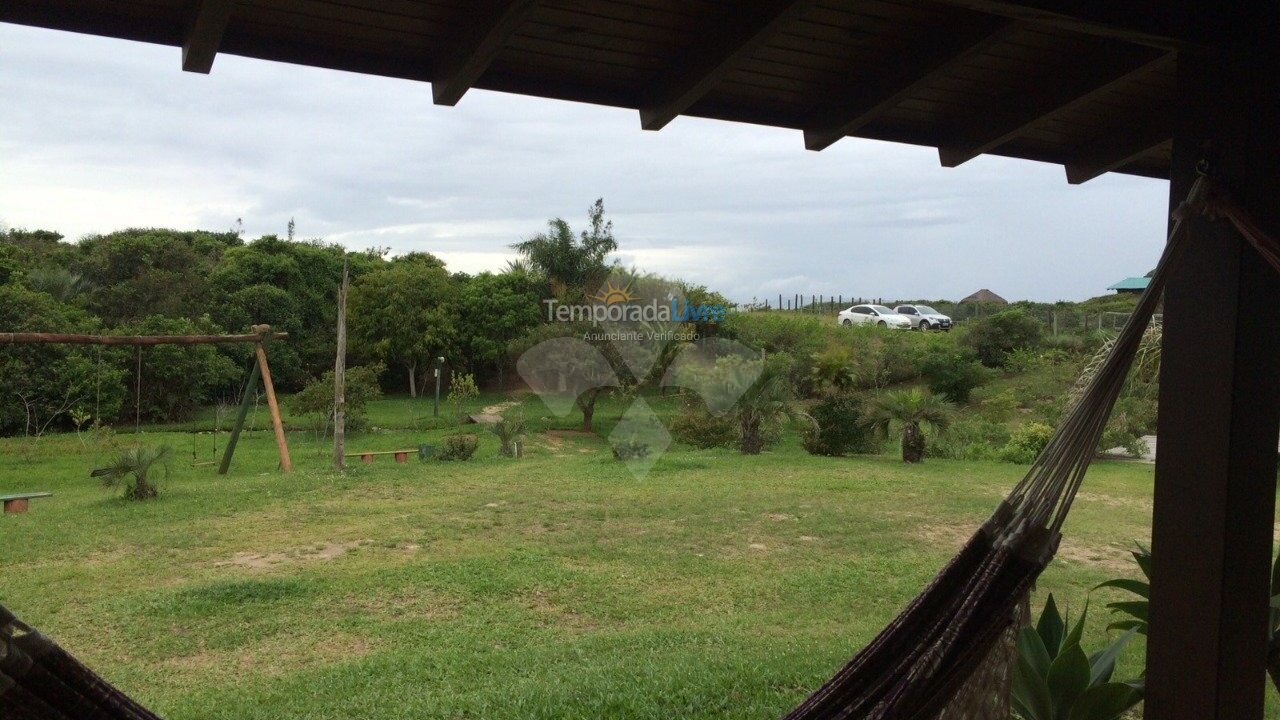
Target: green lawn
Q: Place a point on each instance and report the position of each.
(556, 586)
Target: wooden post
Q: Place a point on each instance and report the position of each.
(340, 378)
(282, 444)
(1219, 413)
(249, 386)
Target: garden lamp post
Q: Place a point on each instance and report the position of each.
(439, 365)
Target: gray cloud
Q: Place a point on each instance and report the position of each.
(100, 134)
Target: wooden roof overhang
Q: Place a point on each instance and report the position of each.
(1088, 85)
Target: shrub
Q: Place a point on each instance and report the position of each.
(458, 447)
(462, 388)
(703, 429)
(315, 401)
(131, 471)
(630, 450)
(839, 428)
(1026, 443)
(994, 337)
(970, 439)
(953, 374)
(510, 430)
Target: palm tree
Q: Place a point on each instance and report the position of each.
(833, 370)
(768, 401)
(571, 264)
(914, 410)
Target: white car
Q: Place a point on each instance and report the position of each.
(923, 317)
(878, 315)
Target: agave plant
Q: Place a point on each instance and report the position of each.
(1055, 680)
(914, 410)
(132, 469)
(1136, 610)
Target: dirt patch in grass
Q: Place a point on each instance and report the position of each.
(277, 655)
(1142, 504)
(950, 536)
(1112, 559)
(330, 550)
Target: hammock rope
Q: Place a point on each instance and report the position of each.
(949, 649)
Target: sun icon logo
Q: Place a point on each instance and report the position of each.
(611, 294)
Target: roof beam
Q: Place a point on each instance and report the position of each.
(1117, 149)
(204, 35)
(942, 48)
(491, 24)
(1066, 86)
(746, 28)
(1144, 22)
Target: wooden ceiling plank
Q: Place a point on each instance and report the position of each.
(734, 39)
(1146, 22)
(1073, 83)
(204, 36)
(491, 23)
(1119, 148)
(941, 48)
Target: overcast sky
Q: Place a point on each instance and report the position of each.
(98, 135)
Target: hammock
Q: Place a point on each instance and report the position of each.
(947, 654)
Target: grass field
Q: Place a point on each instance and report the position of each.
(556, 586)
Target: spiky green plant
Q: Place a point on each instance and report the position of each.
(833, 372)
(132, 470)
(912, 410)
(765, 404)
(510, 429)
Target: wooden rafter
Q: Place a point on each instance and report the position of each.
(1070, 84)
(204, 36)
(734, 39)
(1119, 148)
(1144, 22)
(942, 48)
(490, 25)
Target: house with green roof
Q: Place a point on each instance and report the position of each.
(1131, 285)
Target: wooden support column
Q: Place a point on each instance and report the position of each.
(282, 444)
(1219, 386)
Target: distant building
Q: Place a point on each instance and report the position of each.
(1131, 285)
(985, 296)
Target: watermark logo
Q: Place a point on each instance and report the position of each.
(627, 337)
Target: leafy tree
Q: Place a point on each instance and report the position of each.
(177, 379)
(574, 266)
(567, 367)
(494, 311)
(913, 410)
(405, 315)
(41, 384)
(995, 336)
(316, 399)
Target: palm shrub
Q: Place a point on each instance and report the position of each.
(914, 411)
(832, 371)
(132, 470)
(764, 407)
(1053, 678)
(510, 430)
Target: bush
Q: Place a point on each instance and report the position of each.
(994, 337)
(953, 374)
(970, 439)
(1026, 443)
(839, 428)
(458, 447)
(315, 401)
(703, 429)
(462, 389)
(630, 450)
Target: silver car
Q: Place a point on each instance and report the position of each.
(923, 317)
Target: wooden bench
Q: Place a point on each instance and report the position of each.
(367, 457)
(17, 503)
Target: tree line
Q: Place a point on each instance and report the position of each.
(404, 311)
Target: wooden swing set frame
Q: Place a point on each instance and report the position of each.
(260, 335)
